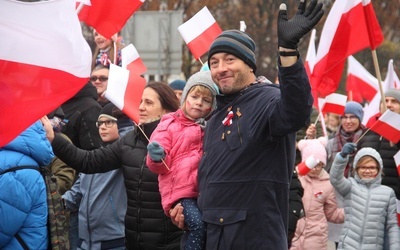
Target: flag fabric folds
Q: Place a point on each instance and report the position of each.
(335, 103)
(125, 90)
(131, 60)
(309, 66)
(44, 61)
(388, 126)
(199, 32)
(361, 85)
(350, 27)
(108, 17)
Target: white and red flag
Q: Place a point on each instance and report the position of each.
(350, 27)
(125, 90)
(44, 61)
(388, 126)
(397, 161)
(131, 60)
(360, 84)
(199, 32)
(306, 166)
(309, 65)
(108, 17)
(335, 103)
(391, 82)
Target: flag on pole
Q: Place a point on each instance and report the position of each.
(360, 84)
(350, 27)
(199, 32)
(335, 103)
(321, 102)
(131, 60)
(125, 90)
(388, 126)
(391, 82)
(108, 17)
(397, 161)
(309, 66)
(44, 61)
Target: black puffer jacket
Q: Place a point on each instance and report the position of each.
(146, 226)
(390, 175)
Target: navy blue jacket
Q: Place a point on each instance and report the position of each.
(246, 168)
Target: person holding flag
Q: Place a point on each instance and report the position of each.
(249, 143)
(146, 225)
(370, 207)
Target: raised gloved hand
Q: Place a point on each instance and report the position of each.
(348, 148)
(291, 31)
(156, 151)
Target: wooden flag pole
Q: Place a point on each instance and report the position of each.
(378, 76)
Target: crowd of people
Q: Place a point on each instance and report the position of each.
(212, 163)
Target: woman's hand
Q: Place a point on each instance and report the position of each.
(48, 128)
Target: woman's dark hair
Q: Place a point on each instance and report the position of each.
(167, 98)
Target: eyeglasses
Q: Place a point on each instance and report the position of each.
(100, 78)
(350, 117)
(108, 123)
(370, 169)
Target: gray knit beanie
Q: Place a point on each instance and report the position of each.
(354, 108)
(237, 43)
(202, 78)
(395, 93)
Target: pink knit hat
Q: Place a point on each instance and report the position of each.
(315, 147)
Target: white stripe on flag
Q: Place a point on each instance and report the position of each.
(196, 25)
(128, 55)
(116, 87)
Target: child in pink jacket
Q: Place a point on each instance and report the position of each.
(319, 200)
(175, 150)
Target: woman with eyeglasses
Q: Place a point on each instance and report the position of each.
(370, 208)
(99, 79)
(146, 225)
(350, 130)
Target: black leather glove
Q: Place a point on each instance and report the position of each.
(348, 148)
(291, 31)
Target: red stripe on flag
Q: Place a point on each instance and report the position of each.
(361, 90)
(333, 108)
(137, 67)
(38, 91)
(200, 45)
(133, 95)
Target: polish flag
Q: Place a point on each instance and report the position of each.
(360, 85)
(304, 167)
(107, 17)
(44, 61)
(309, 66)
(388, 126)
(335, 103)
(199, 32)
(391, 82)
(397, 161)
(398, 211)
(125, 90)
(131, 60)
(351, 26)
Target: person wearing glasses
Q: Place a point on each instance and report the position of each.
(370, 208)
(350, 130)
(319, 200)
(146, 225)
(99, 79)
(100, 199)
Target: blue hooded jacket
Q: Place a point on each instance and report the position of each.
(23, 207)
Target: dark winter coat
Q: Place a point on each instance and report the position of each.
(247, 166)
(146, 225)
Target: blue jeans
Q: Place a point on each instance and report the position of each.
(197, 228)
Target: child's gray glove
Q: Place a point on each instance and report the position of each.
(348, 148)
(291, 31)
(156, 151)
